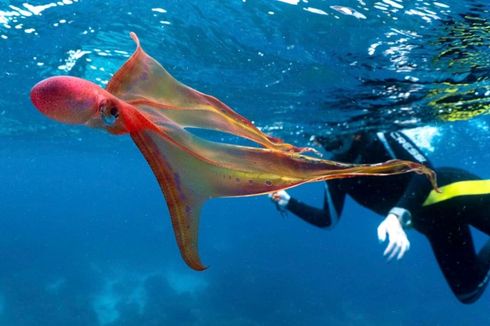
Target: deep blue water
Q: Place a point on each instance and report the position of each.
(85, 237)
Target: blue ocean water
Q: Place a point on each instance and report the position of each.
(85, 236)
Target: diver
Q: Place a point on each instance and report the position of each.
(408, 201)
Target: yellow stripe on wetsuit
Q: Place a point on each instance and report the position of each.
(456, 189)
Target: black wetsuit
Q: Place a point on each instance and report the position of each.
(445, 223)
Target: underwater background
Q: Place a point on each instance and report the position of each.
(85, 236)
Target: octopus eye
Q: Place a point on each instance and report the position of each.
(114, 112)
(109, 113)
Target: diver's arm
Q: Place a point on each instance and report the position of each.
(418, 186)
(328, 216)
(399, 217)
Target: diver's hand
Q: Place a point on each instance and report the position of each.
(398, 242)
(281, 198)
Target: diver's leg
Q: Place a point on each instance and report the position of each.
(465, 272)
(475, 209)
(446, 226)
